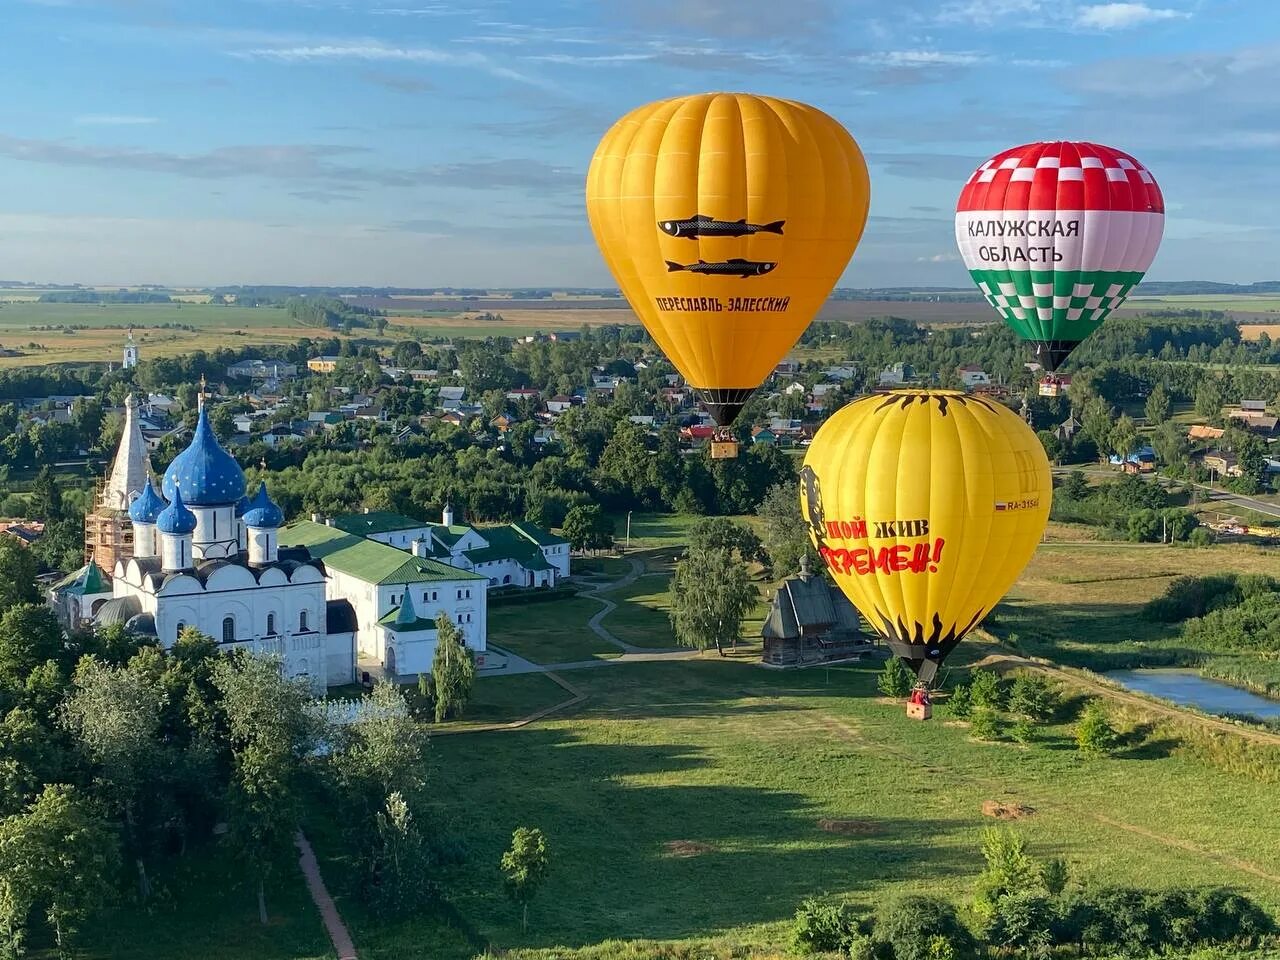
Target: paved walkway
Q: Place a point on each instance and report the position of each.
(346, 950)
(595, 593)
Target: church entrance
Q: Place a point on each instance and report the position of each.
(391, 661)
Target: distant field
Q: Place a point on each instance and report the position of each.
(103, 326)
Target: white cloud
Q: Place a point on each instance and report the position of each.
(922, 58)
(115, 120)
(987, 12)
(374, 51)
(939, 258)
(1119, 16)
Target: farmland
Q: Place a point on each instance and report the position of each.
(82, 333)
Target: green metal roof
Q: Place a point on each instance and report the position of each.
(508, 543)
(365, 559)
(88, 580)
(539, 536)
(399, 625)
(367, 524)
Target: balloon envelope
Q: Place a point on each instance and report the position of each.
(726, 220)
(1055, 235)
(925, 506)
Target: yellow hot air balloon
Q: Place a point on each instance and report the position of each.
(726, 219)
(925, 506)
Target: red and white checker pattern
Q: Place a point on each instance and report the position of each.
(1062, 175)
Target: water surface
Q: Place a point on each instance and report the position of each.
(1186, 687)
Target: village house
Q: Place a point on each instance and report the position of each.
(522, 393)
(972, 376)
(897, 375)
(559, 404)
(256, 368)
(327, 364)
(1223, 464)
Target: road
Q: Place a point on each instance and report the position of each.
(1215, 494)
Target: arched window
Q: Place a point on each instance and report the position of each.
(507, 578)
(181, 626)
(302, 622)
(271, 624)
(228, 629)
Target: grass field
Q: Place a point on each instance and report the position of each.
(709, 797)
(1080, 604)
(549, 632)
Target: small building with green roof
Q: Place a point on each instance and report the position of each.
(518, 554)
(396, 594)
(77, 597)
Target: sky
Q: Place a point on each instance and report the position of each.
(445, 142)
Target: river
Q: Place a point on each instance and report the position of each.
(1188, 688)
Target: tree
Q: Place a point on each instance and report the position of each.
(985, 723)
(46, 496)
(453, 670)
(18, 570)
(1094, 734)
(987, 690)
(29, 635)
(114, 715)
(56, 856)
(1075, 487)
(785, 536)
(1009, 869)
(398, 861)
(587, 528)
(381, 753)
(1124, 435)
(524, 868)
(625, 471)
(1209, 399)
(721, 533)
(1157, 407)
(1021, 921)
(1034, 696)
(896, 679)
(710, 594)
(1095, 422)
(270, 733)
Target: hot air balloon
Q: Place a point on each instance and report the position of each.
(726, 219)
(925, 506)
(1055, 235)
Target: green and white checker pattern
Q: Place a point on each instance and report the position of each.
(1035, 302)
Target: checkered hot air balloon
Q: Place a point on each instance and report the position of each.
(1056, 235)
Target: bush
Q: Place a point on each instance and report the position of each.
(821, 928)
(986, 689)
(960, 703)
(1021, 921)
(1022, 730)
(1200, 537)
(986, 723)
(1188, 597)
(923, 928)
(1034, 696)
(1094, 734)
(896, 679)
(1053, 876)
(861, 948)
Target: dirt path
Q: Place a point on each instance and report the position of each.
(337, 930)
(1009, 660)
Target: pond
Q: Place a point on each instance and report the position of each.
(1188, 688)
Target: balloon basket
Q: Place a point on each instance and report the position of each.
(919, 711)
(1052, 387)
(724, 446)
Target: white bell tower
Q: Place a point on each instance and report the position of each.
(130, 352)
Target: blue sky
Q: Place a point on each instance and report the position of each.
(444, 142)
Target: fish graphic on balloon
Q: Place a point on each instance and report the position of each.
(735, 267)
(703, 226)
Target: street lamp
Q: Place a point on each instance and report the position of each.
(628, 531)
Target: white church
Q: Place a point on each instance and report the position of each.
(206, 556)
(200, 553)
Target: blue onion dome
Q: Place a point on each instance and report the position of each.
(210, 477)
(242, 505)
(176, 518)
(262, 511)
(147, 507)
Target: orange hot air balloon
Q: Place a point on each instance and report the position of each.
(926, 505)
(727, 219)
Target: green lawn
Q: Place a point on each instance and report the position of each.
(501, 699)
(642, 613)
(705, 799)
(204, 910)
(554, 632)
(1081, 603)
